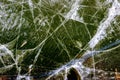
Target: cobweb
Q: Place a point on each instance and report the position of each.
(52, 39)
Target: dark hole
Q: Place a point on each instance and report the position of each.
(23, 79)
(73, 75)
(59, 77)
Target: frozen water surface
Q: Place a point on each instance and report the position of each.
(59, 39)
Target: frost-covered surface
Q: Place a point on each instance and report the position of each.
(48, 38)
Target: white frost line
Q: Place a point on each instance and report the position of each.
(73, 13)
(26, 77)
(30, 3)
(5, 50)
(5, 68)
(101, 32)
